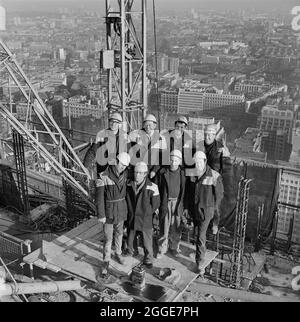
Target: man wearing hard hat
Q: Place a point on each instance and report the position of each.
(171, 182)
(110, 142)
(143, 201)
(147, 145)
(181, 139)
(112, 207)
(218, 158)
(204, 191)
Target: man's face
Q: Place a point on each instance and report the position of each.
(149, 127)
(174, 163)
(179, 128)
(121, 167)
(209, 137)
(200, 165)
(139, 176)
(114, 125)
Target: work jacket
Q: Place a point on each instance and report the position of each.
(202, 193)
(164, 184)
(111, 196)
(109, 145)
(147, 149)
(142, 206)
(215, 158)
(186, 144)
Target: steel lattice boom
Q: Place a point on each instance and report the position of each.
(12, 75)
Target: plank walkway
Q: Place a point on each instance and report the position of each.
(79, 253)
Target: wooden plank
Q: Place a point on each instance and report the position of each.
(184, 264)
(82, 231)
(55, 256)
(67, 237)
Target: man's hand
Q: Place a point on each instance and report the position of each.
(186, 213)
(152, 174)
(102, 220)
(225, 152)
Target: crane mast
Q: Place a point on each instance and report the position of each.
(125, 59)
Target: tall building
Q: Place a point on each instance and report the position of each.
(173, 65)
(61, 54)
(295, 155)
(274, 119)
(169, 100)
(162, 63)
(275, 144)
(289, 195)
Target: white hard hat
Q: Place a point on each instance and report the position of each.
(116, 117)
(176, 153)
(211, 128)
(182, 119)
(200, 155)
(141, 166)
(124, 158)
(150, 118)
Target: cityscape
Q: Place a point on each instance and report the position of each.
(229, 63)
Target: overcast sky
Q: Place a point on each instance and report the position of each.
(285, 5)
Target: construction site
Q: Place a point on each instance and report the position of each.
(51, 243)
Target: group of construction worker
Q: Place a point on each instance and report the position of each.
(147, 173)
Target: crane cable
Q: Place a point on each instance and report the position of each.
(156, 65)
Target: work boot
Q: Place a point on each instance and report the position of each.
(120, 259)
(132, 254)
(104, 270)
(174, 252)
(159, 255)
(215, 229)
(201, 267)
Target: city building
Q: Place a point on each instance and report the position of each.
(249, 146)
(169, 100)
(273, 118)
(275, 144)
(162, 63)
(173, 65)
(251, 87)
(76, 108)
(228, 101)
(289, 194)
(190, 101)
(294, 160)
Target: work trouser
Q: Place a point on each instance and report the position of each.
(216, 219)
(109, 230)
(200, 233)
(147, 240)
(170, 229)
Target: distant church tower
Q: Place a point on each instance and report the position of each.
(2, 17)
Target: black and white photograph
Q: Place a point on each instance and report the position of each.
(149, 154)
